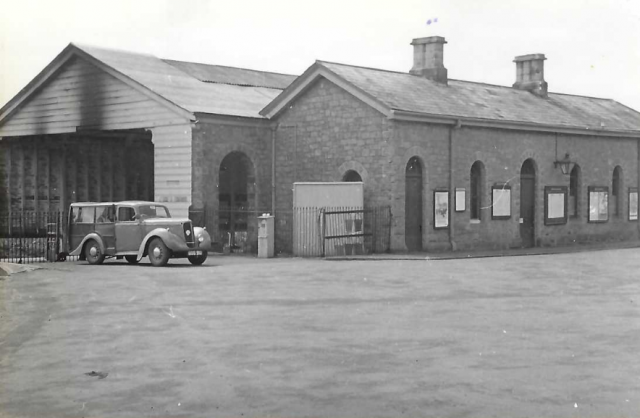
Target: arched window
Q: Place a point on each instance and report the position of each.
(475, 190)
(574, 191)
(616, 191)
(351, 176)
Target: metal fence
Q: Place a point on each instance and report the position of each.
(356, 231)
(336, 231)
(30, 237)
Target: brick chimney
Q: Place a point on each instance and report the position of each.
(530, 74)
(428, 56)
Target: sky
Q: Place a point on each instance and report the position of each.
(592, 46)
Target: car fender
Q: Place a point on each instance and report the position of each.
(201, 232)
(169, 239)
(93, 236)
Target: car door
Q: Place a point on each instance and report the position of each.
(128, 230)
(105, 227)
(81, 223)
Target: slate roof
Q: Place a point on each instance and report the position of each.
(464, 99)
(197, 88)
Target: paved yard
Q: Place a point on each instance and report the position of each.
(537, 336)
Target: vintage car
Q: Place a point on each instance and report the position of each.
(133, 230)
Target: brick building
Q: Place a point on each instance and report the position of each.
(461, 164)
(419, 141)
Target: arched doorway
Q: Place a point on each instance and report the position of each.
(413, 205)
(527, 203)
(351, 176)
(236, 198)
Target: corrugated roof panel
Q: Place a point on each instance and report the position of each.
(231, 75)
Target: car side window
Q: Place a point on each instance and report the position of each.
(126, 214)
(84, 215)
(76, 214)
(105, 215)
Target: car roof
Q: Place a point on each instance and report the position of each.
(124, 202)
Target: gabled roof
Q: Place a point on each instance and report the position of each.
(402, 95)
(230, 92)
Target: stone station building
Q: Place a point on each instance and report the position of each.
(462, 165)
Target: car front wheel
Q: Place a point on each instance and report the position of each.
(93, 253)
(196, 260)
(159, 254)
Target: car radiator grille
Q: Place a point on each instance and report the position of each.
(188, 234)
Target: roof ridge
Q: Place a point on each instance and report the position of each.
(82, 47)
(363, 67)
(462, 81)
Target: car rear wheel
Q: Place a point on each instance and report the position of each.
(196, 260)
(93, 253)
(131, 259)
(159, 254)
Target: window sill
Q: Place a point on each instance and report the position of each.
(474, 221)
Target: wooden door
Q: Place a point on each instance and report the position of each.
(527, 204)
(413, 206)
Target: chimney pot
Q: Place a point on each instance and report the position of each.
(530, 74)
(428, 57)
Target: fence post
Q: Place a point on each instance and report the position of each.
(375, 229)
(52, 237)
(324, 229)
(390, 219)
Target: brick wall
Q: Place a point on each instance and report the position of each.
(503, 152)
(212, 142)
(327, 132)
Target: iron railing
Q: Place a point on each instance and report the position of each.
(30, 237)
(348, 231)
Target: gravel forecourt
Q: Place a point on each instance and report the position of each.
(534, 336)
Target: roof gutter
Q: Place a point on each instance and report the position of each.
(404, 115)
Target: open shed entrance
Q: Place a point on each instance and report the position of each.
(45, 173)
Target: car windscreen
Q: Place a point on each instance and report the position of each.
(153, 211)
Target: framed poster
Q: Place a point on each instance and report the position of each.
(555, 205)
(633, 203)
(440, 209)
(598, 204)
(460, 200)
(501, 201)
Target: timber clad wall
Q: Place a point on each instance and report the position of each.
(82, 95)
(172, 157)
